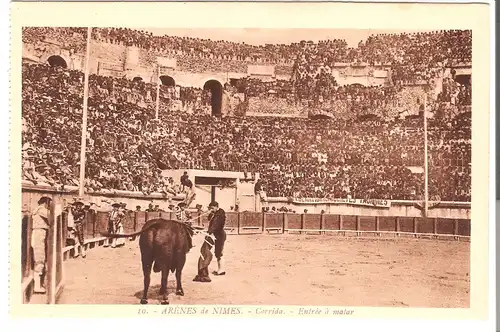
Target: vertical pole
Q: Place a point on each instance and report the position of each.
(61, 242)
(84, 120)
(255, 202)
(51, 290)
(426, 165)
(264, 222)
(239, 221)
(135, 221)
(157, 91)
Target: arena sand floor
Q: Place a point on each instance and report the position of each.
(289, 270)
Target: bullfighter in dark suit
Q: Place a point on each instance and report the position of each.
(217, 219)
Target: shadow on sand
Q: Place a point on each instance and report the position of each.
(154, 290)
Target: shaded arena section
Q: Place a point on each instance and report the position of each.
(57, 61)
(215, 87)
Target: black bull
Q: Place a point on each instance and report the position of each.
(164, 245)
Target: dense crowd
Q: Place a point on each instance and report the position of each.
(196, 47)
(456, 93)
(412, 55)
(340, 157)
(71, 38)
(127, 148)
(142, 94)
(348, 101)
(118, 155)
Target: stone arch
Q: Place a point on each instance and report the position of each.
(216, 89)
(463, 79)
(167, 80)
(57, 61)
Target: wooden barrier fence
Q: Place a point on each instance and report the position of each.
(236, 223)
(258, 222)
(54, 276)
(27, 263)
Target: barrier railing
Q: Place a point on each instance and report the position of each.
(27, 264)
(54, 276)
(258, 223)
(236, 223)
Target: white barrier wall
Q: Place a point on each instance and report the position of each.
(397, 209)
(227, 198)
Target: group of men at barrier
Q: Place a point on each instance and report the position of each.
(77, 211)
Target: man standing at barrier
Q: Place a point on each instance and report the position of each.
(39, 241)
(78, 219)
(115, 224)
(182, 214)
(190, 193)
(184, 177)
(217, 219)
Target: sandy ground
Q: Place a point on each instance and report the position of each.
(289, 270)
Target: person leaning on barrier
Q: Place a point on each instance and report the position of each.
(217, 219)
(78, 219)
(39, 241)
(182, 214)
(150, 208)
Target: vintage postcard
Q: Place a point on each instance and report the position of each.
(250, 160)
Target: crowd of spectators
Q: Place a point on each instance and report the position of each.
(411, 55)
(297, 157)
(455, 92)
(140, 93)
(118, 155)
(412, 58)
(70, 38)
(348, 101)
(196, 47)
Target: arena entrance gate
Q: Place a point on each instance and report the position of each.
(215, 87)
(167, 80)
(57, 61)
(463, 79)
